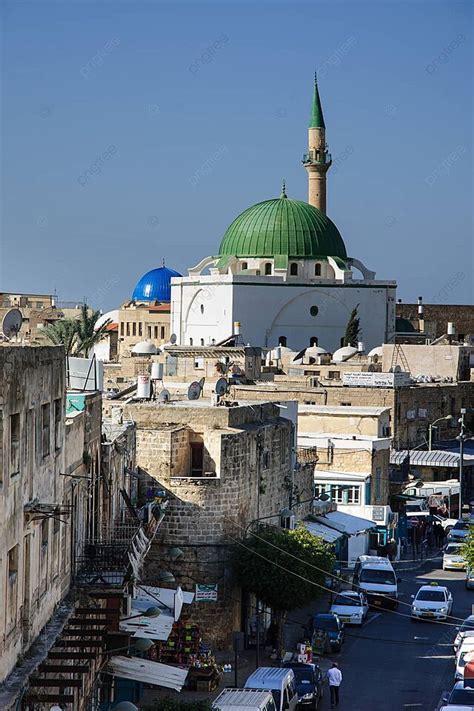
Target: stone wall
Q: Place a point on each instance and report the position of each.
(252, 464)
(437, 316)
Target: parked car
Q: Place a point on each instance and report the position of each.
(351, 607)
(465, 630)
(469, 579)
(281, 682)
(309, 683)
(453, 558)
(459, 697)
(431, 602)
(331, 624)
(244, 700)
(464, 655)
(459, 532)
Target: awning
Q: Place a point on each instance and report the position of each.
(347, 523)
(148, 672)
(338, 477)
(318, 529)
(171, 598)
(434, 458)
(155, 627)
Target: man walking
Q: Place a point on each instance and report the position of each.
(334, 677)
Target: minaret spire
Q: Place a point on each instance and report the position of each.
(317, 118)
(317, 160)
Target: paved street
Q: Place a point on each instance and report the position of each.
(392, 663)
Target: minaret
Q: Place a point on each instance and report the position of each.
(317, 160)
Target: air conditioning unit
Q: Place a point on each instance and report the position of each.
(288, 522)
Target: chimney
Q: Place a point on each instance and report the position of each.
(421, 318)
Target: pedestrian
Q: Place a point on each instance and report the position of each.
(334, 677)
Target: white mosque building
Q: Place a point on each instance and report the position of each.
(283, 273)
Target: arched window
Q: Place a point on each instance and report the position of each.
(202, 308)
(244, 265)
(313, 341)
(202, 341)
(190, 341)
(268, 268)
(282, 341)
(294, 269)
(317, 270)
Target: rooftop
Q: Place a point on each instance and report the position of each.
(350, 410)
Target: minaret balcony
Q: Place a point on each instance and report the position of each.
(324, 159)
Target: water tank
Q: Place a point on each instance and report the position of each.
(144, 387)
(157, 371)
(451, 329)
(236, 328)
(360, 347)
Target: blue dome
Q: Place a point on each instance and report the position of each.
(155, 285)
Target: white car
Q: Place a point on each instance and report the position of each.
(351, 607)
(464, 655)
(459, 532)
(459, 698)
(466, 630)
(452, 557)
(431, 602)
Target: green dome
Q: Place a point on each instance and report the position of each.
(283, 226)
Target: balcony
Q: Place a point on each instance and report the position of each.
(113, 560)
(319, 157)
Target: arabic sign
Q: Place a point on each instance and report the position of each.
(375, 380)
(206, 592)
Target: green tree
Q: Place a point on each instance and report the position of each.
(282, 577)
(63, 332)
(351, 335)
(468, 549)
(87, 332)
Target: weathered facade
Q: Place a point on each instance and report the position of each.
(225, 468)
(34, 531)
(437, 316)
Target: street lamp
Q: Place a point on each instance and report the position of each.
(448, 418)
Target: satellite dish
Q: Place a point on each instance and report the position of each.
(164, 396)
(221, 386)
(173, 338)
(11, 322)
(194, 391)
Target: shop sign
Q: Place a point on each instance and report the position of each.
(206, 592)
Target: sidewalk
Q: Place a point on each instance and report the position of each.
(292, 633)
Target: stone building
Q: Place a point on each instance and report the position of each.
(37, 311)
(353, 453)
(437, 316)
(34, 519)
(225, 468)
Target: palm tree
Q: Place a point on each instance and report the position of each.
(63, 332)
(87, 332)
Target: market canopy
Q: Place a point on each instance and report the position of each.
(319, 529)
(148, 672)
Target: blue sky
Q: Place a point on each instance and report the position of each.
(133, 132)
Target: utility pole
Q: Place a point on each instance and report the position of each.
(461, 438)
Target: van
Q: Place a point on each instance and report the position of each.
(281, 682)
(376, 577)
(244, 700)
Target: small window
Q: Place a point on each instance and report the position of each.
(149, 332)
(282, 341)
(268, 268)
(313, 341)
(202, 308)
(317, 270)
(58, 411)
(44, 535)
(346, 404)
(202, 341)
(156, 332)
(134, 329)
(14, 444)
(128, 329)
(314, 310)
(45, 429)
(122, 329)
(139, 329)
(244, 266)
(265, 460)
(190, 341)
(294, 269)
(162, 331)
(13, 564)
